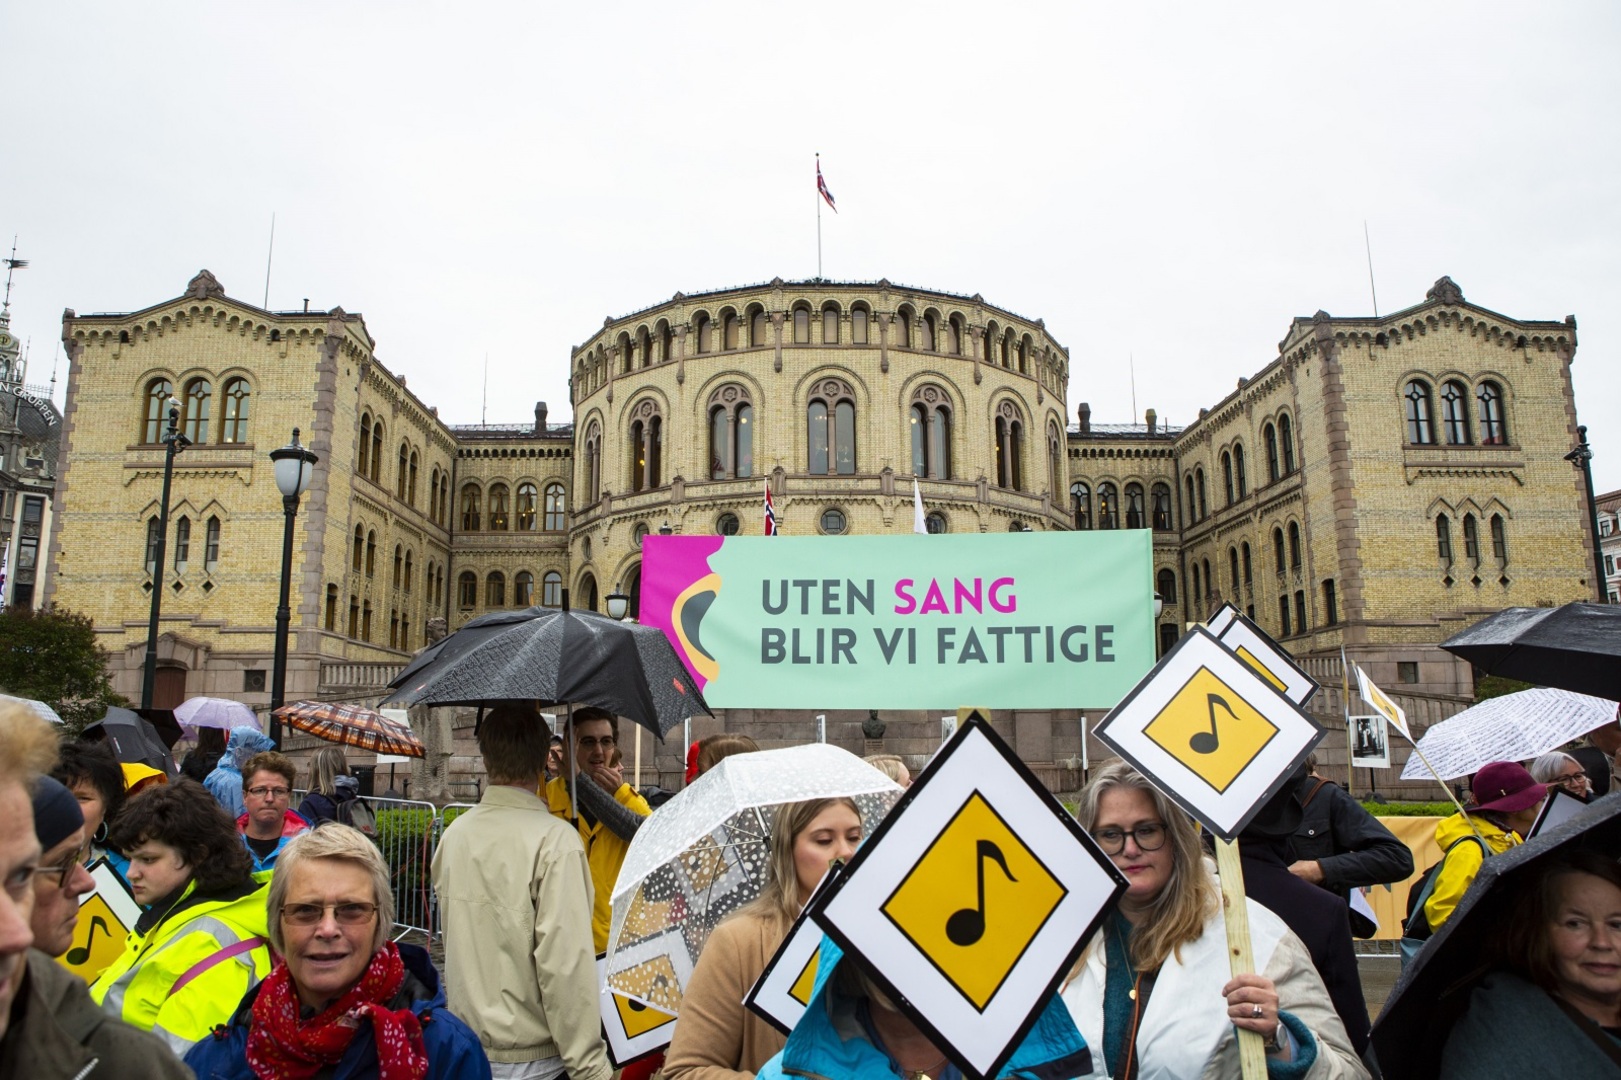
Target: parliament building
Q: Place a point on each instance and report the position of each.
(1375, 485)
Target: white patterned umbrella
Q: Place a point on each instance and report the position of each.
(1513, 727)
(222, 713)
(39, 708)
(703, 854)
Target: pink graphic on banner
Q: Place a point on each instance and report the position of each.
(678, 587)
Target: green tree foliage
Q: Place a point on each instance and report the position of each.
(53, 656)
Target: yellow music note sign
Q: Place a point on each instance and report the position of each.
(1210, 729)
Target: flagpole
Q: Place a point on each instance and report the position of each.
(818, 219)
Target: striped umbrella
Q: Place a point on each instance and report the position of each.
(352, 725)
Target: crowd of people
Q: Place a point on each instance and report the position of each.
(263, 947)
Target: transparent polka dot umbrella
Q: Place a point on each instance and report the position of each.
(703, 855)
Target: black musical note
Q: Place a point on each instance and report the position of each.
(79, 955)
(1207, 742)
(967, 926)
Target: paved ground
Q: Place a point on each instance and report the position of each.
(1378, 976)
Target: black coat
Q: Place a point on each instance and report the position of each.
(1350, 845)
(1319, 919)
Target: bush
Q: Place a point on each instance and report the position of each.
(1410, 809)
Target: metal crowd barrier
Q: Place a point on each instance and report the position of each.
(406, 831)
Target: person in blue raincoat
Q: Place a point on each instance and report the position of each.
(850, 1031)
(225, 782)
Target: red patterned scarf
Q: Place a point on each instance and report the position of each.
(280, 1045)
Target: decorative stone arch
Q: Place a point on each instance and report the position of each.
(644, 426)
(932, 413)
(1010, 434)
(731, 419)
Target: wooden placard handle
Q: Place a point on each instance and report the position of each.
(1240, 953)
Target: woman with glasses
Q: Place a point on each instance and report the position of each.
(1558, 768)
(343, 1001)
(1153, 994)
(200, 945)
(266, 822)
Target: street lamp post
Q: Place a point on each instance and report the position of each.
(294, 465)
(174, 442)
(1582, 458)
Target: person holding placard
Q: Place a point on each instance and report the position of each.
(716, 1037)
(1153, 994)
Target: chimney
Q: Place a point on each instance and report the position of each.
(306, 305)
(1153, 421)
(540, 418)
(1083, 412)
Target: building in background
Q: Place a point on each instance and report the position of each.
(1376, 486)
(29, 429)
(1609, 527)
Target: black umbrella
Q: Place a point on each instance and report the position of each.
(555, 656)
(133, 738)
(1575, 647)
(167, 726)
(1434, 991)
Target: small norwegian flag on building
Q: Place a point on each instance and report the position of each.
(770, 512)
(821, 185)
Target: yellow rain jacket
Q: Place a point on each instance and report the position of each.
(604, 850)
(1461, 864)
(182, 976)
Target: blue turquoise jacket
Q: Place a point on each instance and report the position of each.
(225, 782)
(1054, 1049)
(454, 1052)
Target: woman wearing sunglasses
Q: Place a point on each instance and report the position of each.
(1153, 994)
(344, 1001)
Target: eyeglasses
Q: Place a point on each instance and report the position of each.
(1571, 778)
(63, 869)
(276, 793)
(607, 742)
(1149, 837)
(349, 914)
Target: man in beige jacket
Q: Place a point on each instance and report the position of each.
(515, 901)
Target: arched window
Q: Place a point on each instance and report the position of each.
(467, 590)
(830, 325)
(234, 428)
(444, 497)
(954, 335)
(802, 325)
(211, 546)
(495, 590)
(760, 329)
(411, 487)
(1165, 585)
(399, 479)
(1240, 473)
(931, 331)
(1294, 545)
(399, 565)
(730, 330)
(376, 451)
(858, 326)
(1499, 539)
(1135, 519)
(354, 615)
(182, 544)
(158, 392)
(1249, 567)
(1277, 550)
(1209, 580)
(408, 561)
(152, 535)
(1286, 440)
(731, 433)
(1193, 597)
(525, 505)
(1283, 615)
(903, 328)
(523, 589)
(1193, 507)
(830, 418)
(371, 552)
(1232, 568)
(1471, 539)
(1227, 475)
(498, 508)
(358, 560)
(199, 393)
(588, 593)
(929, 421)
(1024, 355)
(646, 445)
(1009, 449)
(330, 621)
(1455, 413)
(1055, 462)
(1443, 539)
(1420, 431)
(1269, 436)
(1080, 501)
(593, 463)
(551, 589)
(1160, 499)
(470, 508)
(556, 507)
(702, 331)
(644, 347)
(1493, 426)
(1108, 506)
(1198, 488)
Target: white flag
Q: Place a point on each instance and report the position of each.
(919, 523)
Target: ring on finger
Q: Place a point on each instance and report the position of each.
(1258, 1012)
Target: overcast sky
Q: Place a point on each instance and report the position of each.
(1164, 183)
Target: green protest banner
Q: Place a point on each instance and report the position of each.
(1016, 621)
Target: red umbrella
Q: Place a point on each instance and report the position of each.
(352, 725)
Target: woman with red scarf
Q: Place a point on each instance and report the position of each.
(344, 1001)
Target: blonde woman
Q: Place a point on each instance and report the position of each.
(1153, 994)
(331, 787)
(717, 1038)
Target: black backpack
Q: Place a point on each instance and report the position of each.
(357, 813)
(1417, 927)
